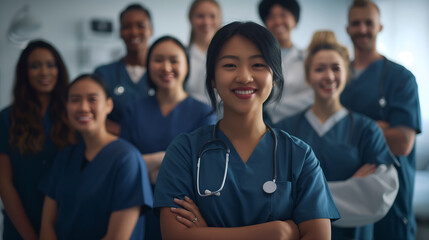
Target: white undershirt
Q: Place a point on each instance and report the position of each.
(322, 128)
(136, 72)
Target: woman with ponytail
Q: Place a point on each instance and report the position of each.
(351, 148)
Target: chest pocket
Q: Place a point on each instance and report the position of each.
(339, 161)
(282, 201)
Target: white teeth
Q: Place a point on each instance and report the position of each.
(136, 40)
(330, 86)
(86, 118)
(44, 81)
(278, 29)
(244, 92)
(167, 77)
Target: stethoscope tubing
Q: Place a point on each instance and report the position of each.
(228, 150)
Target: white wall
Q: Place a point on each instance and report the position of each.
(403, 39)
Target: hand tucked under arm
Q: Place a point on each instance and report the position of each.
(189, 217)
(399, 139)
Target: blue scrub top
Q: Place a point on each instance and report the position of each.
(302, 192)
(150, 131)
(115, 74)
(352, 142)
(116, 179)
(402, 109)
(27, 171)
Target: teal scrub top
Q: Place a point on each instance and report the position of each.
(302, 192)
(362, 94)
(352, 141)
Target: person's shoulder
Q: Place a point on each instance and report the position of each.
(107, 69)
(286, 139)
(109, 65)
(5, 113)
(362, 120)
(288, 123)
(70, 151)
(199, 135)
(399, 71)
(364, 126)
(123, 147)
(197, 104)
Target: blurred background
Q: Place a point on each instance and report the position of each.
(67, 24)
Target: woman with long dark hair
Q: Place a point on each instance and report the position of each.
(33, 129)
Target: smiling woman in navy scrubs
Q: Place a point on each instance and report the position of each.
(243, 65)
(32, 130)
(152, 122)
(98, 188)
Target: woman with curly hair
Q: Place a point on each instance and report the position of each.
(32, 130)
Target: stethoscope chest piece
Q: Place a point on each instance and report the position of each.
(118, 90)
(269, 187)
(382, 102)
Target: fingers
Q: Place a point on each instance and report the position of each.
(188, 204)
(190, 213)
(365, 170)
(185, 221)
(184, 213)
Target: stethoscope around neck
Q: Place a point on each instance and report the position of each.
(382, 102)
(119, 89)
(268, 187)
